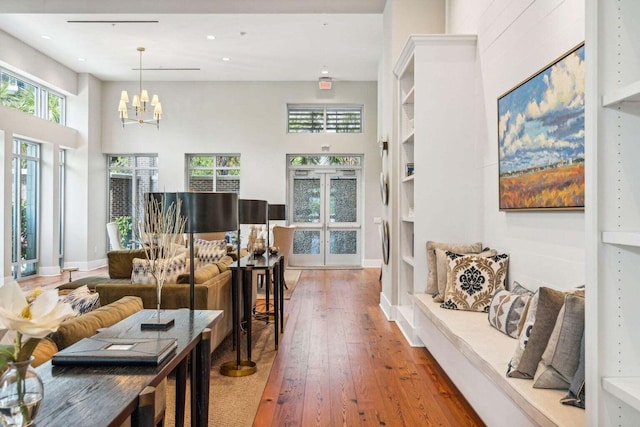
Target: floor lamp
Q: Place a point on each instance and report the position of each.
(249, 212)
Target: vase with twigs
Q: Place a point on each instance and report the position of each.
(161, 233)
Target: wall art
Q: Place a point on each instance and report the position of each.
(541, 138)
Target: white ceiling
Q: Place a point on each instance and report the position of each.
(268, 40)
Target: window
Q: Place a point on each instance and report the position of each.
(130, 177)
(25, 208)
(318, 118)
(213, 172)
(30, 98)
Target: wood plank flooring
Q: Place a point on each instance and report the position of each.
(341, 363)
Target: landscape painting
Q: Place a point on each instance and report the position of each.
(541, 138)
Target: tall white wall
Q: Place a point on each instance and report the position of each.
(249, 118)
(516, 38)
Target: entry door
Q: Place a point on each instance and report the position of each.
(326, 213)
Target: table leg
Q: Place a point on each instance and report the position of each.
(181, 391)
(234, 305)
(247, 278)
(203, 374)
(267, 308)
(276, 300)
(282, 286)
(145, 412)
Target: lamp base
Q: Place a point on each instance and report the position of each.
(233, 369)
(158, 323)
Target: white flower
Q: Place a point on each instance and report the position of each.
(35, 320)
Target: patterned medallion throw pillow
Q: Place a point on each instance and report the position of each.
(472, 280)
(432, 278)
(442, 269)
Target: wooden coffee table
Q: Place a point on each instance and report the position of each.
(107, 395)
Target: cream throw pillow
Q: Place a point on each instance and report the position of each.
(432, 278)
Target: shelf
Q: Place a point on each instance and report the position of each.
(408, 99)
(408, 218)
(621, 238)
(408, 178)
(408, 259)
(409, 138)
(626, 389)
(628, 93)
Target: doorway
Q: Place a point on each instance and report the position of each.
(324, 193)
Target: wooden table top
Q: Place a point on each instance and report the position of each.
(106, 395)
(261, 262)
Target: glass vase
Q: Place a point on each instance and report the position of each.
(21, 392)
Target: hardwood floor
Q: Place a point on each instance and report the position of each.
(341, 363)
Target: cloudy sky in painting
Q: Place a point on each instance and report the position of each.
(542, 121)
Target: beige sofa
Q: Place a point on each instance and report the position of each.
(212, 289)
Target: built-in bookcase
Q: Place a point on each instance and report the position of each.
(613, 212)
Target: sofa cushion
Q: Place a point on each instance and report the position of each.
(432, 278)
(44, 351)
(74, 329)
(472, 280)
(201, 275)
(120, 262)
(209, 252)
(82, 300)
(562, 354)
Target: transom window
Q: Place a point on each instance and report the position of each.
(324, 118)
(213, 172)
(22, 95)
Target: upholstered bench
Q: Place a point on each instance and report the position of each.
(475, 356)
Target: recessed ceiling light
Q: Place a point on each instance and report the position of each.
(226, 58)
(211, 37)
(46, 37)
(81, 59)
(324, 71)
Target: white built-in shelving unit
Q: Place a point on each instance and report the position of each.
(435, 104)
(613, 212)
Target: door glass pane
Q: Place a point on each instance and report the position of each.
(343, 242)
(343, 200)
(306, 242)
(306, 193)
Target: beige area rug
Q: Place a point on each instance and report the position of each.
(233, 402)
(291, 278)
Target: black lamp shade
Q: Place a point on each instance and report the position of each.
(252, 211)
(205, 212)
(277, 212)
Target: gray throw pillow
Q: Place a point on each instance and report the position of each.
(545, 312)
(508, 310)
(562, 355)
(576, 395)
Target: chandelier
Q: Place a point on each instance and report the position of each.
(139, 104)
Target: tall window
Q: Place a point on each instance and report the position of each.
(62, 156)
(213, 172)
(130, 176)
(24, 208)
(320, 118)
(22, 95)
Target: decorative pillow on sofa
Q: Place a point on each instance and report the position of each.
(432, 278)
(210, 252)
(442, 269)
(562, 355)
(82, 300)
(472, 280)
(201, 275)
(508, 310)
(541, 319)
(141, 273)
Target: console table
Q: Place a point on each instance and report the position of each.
(243, 275)
(107, 395)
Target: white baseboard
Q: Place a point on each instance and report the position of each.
(386, 307)
(49, 271)
(372, 263)
(87, 265)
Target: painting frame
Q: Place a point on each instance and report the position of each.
(541, 138)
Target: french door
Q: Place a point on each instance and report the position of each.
(325, 205)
